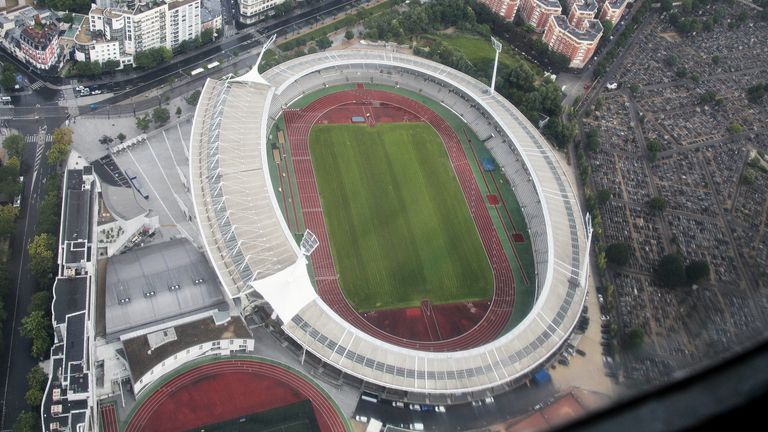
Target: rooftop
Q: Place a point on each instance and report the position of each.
(591, 32)
(549, 4)
(142, 356)
(158, 283)
(77, 205)
(70, 297)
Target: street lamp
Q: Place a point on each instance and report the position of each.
(497, 46)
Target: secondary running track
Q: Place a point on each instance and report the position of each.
(298, 125)
(162, 410)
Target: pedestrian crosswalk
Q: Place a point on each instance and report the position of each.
(36, 85)
(30, 139)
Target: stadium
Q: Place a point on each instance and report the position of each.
(399, 226)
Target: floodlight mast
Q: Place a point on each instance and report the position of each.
(496, 46)
(264, 48)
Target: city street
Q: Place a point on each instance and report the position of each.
(16, 361)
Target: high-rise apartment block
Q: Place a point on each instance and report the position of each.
(538, 12)
(505, 8)
(578, 44)
(612, 10)
(118, 34)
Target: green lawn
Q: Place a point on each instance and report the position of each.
(477, 49)
(399, 226)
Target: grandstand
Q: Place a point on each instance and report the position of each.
(259, 263)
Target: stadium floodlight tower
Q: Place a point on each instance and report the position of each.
(497, 46)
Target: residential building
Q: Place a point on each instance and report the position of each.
(118, 34)
(505, 8)
(578, 44)
(582, 11)
(538, 12)
(252, 11)
(40, 44)
(613, 10)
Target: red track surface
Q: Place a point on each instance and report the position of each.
(228, 389)
(299, 123)
(108, 418)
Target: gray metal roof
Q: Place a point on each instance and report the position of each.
(145, 276)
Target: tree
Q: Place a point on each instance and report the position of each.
(617, 254)
(178, 111)
(323, 43)
(658, 203)
(755, 93)
(110, 65)
(37, 328)
(603, 196)
(607, 27)
(192, 98)
(715, 59)
(121, 137)
(160, 115)
(349, 35)
(671, 272)
(27, 421)
(735, 127)
(62, 140)
(654, 147)
(666, 5)
(8, 215)
(697, 271)
(36, 383)
(152, 57)
(634, 338)
(41, 255)
(40, 301)
(206, 36)
(709, 96)
(634, 88)
(14, 145)
(143, 123)
(593, 140)
(8, 78)
(106, 140)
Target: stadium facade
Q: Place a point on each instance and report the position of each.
(261, 267)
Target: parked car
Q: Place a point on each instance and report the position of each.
(414, 407)
(398, 404)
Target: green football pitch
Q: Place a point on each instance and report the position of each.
(400, 230)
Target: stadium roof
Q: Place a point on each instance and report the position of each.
(161, 282)
(556, 226)
(234, 202)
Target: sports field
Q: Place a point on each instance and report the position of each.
(399, 225)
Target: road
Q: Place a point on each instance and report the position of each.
(16, 361)
(514, 403)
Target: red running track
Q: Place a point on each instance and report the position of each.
(298, 125)
(172, 408)
(109, 418)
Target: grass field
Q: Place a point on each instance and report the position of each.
(399, 225)
(478, 50)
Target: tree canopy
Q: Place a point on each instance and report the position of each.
(14, 145)
(143, 123)
(152, 57)
(160, 115)
(62, 140)
(42, 250)
(697, 271)
(671, 272)
(617, 254)
(8, 215)
(658, 203)
(37, 328)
